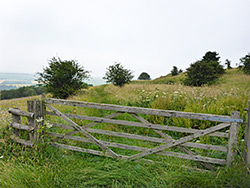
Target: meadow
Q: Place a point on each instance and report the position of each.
(46, 166)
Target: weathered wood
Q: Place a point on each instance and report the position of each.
(75, 148)
(19, 112)
(21, 127)
(137, 148)
(22, 141)
(146, 138)
(83, 131)
(137, 124)
(129, 109)
(88, 125)
(109, 144)
(233, 137)
(170, 139)
(16, 119)
(108, 116)
(180, 141)
(194, 157)
(134, 148)
(37, 108)
(247, 137)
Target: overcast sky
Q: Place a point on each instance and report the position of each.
(143, 35)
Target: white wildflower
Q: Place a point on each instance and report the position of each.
(48, 125)
(1, 157)
(39, 120)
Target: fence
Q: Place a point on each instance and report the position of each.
(37, 113)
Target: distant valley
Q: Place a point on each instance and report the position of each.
(16, 80)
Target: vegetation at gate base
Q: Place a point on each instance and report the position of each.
(63, 78)
(144, 76)
(118, 75)
(246, 63)
(204, 71)
(47, 166)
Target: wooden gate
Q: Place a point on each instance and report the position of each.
(164, 140)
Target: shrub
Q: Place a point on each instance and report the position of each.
(204, 71)
(63, 78)
(228, 63)
(144, 76)
(246, 63)
(118, 75)
(174, 71)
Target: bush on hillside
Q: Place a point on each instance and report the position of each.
(204, 71)
(228, 63)
(63, 78)
(118, 75)
(246, 63)
(144, 76)
(174, 71)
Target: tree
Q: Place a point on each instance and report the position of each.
(246, 63)
(118, 75)
(228, 63)
(204, 71)
(144, 76)
(63, 78)
(211, 56)
(174, 71)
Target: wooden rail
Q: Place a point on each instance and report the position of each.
(129, 109)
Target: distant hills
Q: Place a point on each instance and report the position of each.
(16, 80)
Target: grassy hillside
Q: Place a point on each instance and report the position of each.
(50, 167)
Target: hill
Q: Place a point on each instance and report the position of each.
(49, 167)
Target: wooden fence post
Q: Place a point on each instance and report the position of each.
(37, 107)
(247, 137)
(16, 119)
(233, 137)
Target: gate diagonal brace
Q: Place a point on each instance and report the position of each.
(180, 141)
(170, 139)
(88, 126)
(83, 131)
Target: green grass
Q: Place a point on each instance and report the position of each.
(46, 166)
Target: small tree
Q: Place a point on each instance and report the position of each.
(204, 71)
(228, 63)
(63, 78)
(118, 75)
(246, 63)
(174, 71)
(211, 56)
(144, 76)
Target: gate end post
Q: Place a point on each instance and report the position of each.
(246, 152)
(233, 138)
(37, 107)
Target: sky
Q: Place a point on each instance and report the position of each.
(143, 35)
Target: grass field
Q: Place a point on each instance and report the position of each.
(46, 166)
